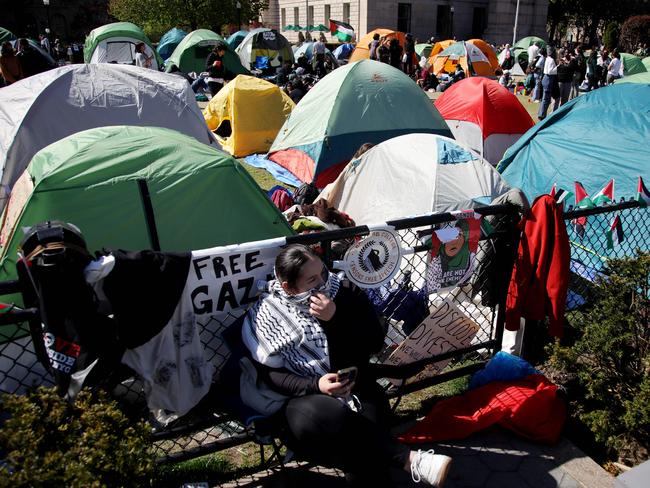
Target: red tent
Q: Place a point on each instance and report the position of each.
(484, 116)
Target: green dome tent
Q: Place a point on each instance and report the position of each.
(526, 42)
(116, 43)
(365, 101)
(632, 64)
(201, 197)
(637, 78)
(193, 50)
(646, 63)
(6, 35)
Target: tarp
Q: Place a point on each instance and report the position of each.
(361, 102)
(235, 39)
(632, 64)
(44, 108)
(484, 116)
(254, 109)
(115, 43)
(595, 137)
(362, 50)
(423, 50)
(343, 51)
(411, 175)
(6, 35)
(264, 42)
(469, 56)
(488, 50)
(192, 52)
(201, 197)
(169, 41)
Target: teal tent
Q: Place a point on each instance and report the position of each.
(600, 135)
(365, 101)
(115, 43)
(6, 35)
(201, 197)
(632, 64)
(193, 50)
(235, 39)
(169, 41)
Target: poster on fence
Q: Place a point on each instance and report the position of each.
(446, 328)
(453, 248)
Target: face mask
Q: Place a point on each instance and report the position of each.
(304, 297)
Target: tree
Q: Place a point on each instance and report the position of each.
(635, 31)
(158, 16)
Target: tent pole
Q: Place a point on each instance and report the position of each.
(149, 215)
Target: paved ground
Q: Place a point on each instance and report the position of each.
(492, 459)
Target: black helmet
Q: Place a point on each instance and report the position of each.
(48, 243)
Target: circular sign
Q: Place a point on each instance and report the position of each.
(374, 260)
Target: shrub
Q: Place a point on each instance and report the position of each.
(610, 37)
(610, 359)
(47, 441)
(635, 31)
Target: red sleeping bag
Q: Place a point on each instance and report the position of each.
(529, 407)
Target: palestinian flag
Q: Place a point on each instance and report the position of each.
(606, 195)
(582, 197)
(615, 233)
(642, 194)
(560, 195)
(344, 32)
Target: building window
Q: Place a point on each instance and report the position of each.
(296, 13)
(443, 22)
(327, 15)
(310, 15)
(404, 17)
(346, 13)
(479, 22)
(283, 18)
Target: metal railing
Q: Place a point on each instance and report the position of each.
(401, 305)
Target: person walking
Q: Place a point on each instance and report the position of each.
(538, 72)
(548, 82)
(592, 70)
(409, 55)
(565, 70)
(579, 72)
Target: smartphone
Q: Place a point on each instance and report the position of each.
(347, 374)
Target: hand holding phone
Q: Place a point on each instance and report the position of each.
(347, 375)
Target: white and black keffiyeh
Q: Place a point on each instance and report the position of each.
(280, 332)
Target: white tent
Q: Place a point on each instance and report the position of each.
(411, 175)
(121, 50)
(45, 108)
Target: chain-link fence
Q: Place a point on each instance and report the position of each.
(596, 235)
(402, 304)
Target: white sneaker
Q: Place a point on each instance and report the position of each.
(430, 468)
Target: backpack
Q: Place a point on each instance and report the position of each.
(305, 194)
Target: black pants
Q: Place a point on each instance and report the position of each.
(214, 87)
(322, 429)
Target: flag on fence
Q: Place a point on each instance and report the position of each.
(343, 31)
(606, 195)
(582, 197)
(615, 233)
(560, 195)
(642, 194)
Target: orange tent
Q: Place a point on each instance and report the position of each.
(362, 50)
(470, 57)
(488, 51)
(438, 47)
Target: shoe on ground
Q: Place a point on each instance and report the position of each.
(430, 468)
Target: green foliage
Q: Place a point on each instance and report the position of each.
(635, 31)
(610, 37)
(49, 442)
(610, 358)
(158, 16)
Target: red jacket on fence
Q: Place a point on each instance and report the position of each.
(540, 278)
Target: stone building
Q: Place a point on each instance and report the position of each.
(492, 20)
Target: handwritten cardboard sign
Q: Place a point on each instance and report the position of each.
(446, 328)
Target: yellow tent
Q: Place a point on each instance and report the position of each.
(247, 114)
(362, 51)
(469, 56)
